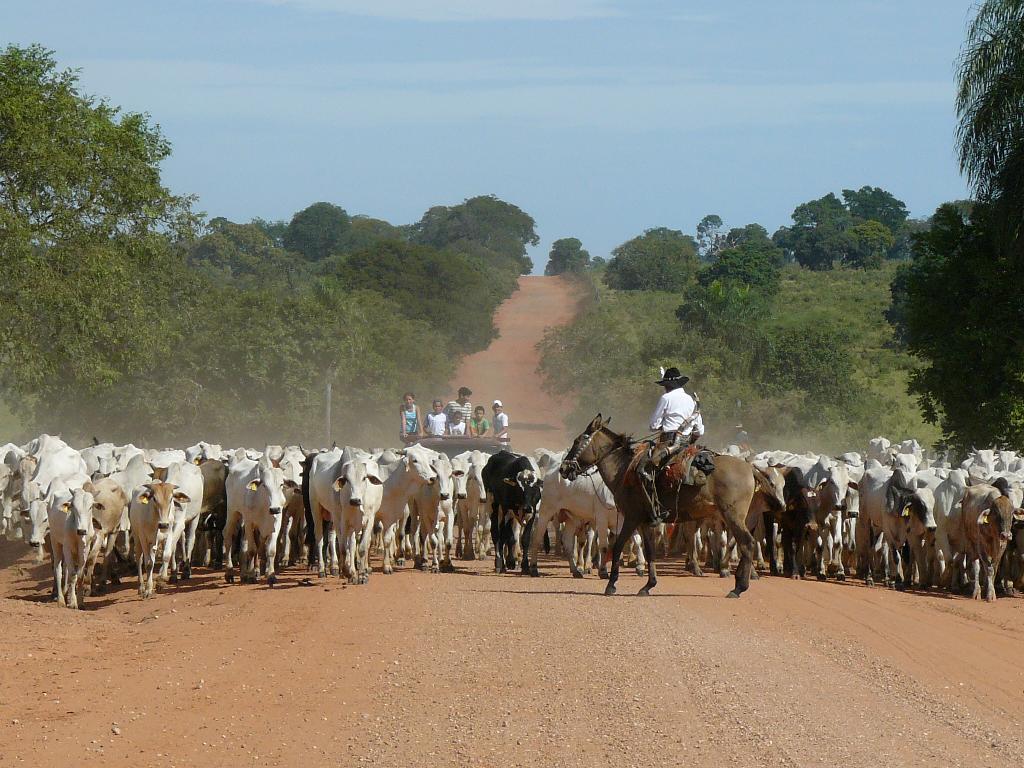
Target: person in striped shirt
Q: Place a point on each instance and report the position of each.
(460, 411)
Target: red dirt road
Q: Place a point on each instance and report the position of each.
(506, 370)
(473, 669)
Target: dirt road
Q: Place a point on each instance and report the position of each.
(474, 669)
(506, 370)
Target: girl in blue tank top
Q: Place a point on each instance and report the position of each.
(411, 422)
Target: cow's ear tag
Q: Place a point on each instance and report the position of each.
(253, 485)
(66, 506)
(906, 511)
(984, 518)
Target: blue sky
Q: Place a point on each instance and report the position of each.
(601, 118)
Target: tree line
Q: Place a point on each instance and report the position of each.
(126, 314)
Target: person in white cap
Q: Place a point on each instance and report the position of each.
(500, 421)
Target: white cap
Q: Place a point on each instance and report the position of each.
(497, 402)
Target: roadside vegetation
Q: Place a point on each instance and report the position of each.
(126, 314)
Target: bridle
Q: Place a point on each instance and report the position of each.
(572, 462)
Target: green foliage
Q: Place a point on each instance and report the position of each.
(317, 231)
(990, 102)
(827, 231)
(813, 367)
(496, 231)
(870, 241)
(709, 237)
(958, 306)
(567, 255)
(659, 259)
(117, 320)
(749, 258)
(875, 204)
(451, 291)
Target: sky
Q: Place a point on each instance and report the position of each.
(600, 118)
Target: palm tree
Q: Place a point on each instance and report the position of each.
(990, 102)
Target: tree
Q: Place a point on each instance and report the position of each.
(958, 307)
(990, 102)
(817, 238)
(870, 242)
(317, 231)
(86, 234)
(495, 227)
(567, 255)
(754, 261)
(658, 260)
(709, 238)
(453, 292)
(74, 169)
(813, 360)
(875, 204)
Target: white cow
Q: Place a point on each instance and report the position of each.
(50, 459)
(257, 494)
(188, 480)
(71, 540)
(406, 478)
(584, 502)
(948, 495)
(433, 515)
(348, 485)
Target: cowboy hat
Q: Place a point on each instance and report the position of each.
(672, 376)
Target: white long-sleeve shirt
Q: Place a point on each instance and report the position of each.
(675, 410)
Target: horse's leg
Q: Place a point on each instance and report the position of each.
(745, 545)
(624, 535)
(647, 539)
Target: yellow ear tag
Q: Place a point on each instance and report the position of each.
(66, 506)
(906, 511)
(984, 518)
(144, 499)
(253, 485)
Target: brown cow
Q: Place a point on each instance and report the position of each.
(110, 515)
(980, 529)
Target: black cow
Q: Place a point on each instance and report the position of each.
(514, 485)
(797, 521)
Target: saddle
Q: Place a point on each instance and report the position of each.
(691, 466)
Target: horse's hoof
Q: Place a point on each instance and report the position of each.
(724, 573)
(534, 571)
(822, 577)
(733, 594)
(609, 591)
(640, 570)
(645, 592)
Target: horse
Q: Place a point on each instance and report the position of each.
(727, 493)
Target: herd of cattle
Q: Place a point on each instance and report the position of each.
(891, 514)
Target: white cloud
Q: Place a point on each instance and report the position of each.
(461, 10)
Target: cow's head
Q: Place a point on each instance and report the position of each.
(35, 517)
(918, 511)
(531, 486)
(164, 498)
(269, 487)
(355, 478)
(79, 509)
(442, 467)
(476, 477)
(801, 503)
(416, 463)
(460, 475)
(996, 522)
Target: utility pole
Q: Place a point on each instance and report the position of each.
(328, 387)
